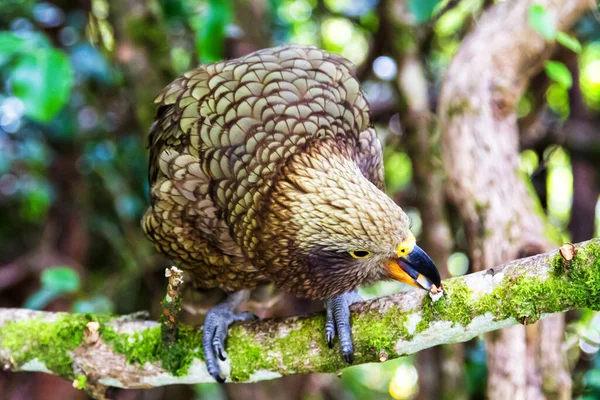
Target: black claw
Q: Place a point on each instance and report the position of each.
(217, 321)
(213, 370)
(248, 316)
(338, 322)
(220, 353)
(349, 358)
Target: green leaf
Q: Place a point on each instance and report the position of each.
(60, 280)
(559, 73)
(40, 299)
(11, 44)
(422, 9)
(210, 38)
(96, 304)
(541, 22)
(107, 35)
(450, 22)
(43, 81)
(592, 378)
(36, 203)
(569, 42)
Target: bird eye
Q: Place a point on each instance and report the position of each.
(360, 253)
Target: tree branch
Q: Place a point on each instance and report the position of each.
(129, 352)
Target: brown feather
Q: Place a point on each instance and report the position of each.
(227, 139)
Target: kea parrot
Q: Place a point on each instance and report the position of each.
(267, 169)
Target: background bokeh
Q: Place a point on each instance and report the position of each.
(77, 81)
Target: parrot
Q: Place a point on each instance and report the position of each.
(266, 169)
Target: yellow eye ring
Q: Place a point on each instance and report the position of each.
(405, 247)
(360, 253)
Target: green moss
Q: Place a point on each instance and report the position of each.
(575, 284)
(49, 342)
(524, 294)
(80, 382)
(455, 306)
(246, 355)
(248, 358)
(178, 357)
(558, 265)
(381, 332)
(147, 346)
(139, 347)
(299, 339)
(525, 298)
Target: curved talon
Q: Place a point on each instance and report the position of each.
(217, 321)
(245, 316)
(329, 327)
(349, 357)
(338, 321)
(218, 342)
(221, 353)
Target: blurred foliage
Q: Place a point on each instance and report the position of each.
(422, 9)
(77, 81)
(55, 281)
(210, 36)
(569, 42)
(559, 73)
(542, 22)
(32, 65)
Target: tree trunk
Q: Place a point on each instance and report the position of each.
(480, 141)
(583, 163)
(441, 370)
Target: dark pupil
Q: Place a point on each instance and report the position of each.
(361, 253)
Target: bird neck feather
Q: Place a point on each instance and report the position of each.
(321, 199)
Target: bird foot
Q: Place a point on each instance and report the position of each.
(338, 321)
(216, 324)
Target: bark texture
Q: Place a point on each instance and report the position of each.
(97, 351)
(441, 370)
(480, 140)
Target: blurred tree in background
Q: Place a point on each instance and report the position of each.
(77, 80)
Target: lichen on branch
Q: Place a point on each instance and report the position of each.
(131, 353)
(172, 306)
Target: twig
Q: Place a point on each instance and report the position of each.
(171, 306)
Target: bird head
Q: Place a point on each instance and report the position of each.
(336, 230)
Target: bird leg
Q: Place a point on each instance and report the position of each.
(338, 321)
(217, 321)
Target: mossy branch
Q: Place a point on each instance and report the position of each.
(129, 352)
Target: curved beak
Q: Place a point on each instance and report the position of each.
(416, 269)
